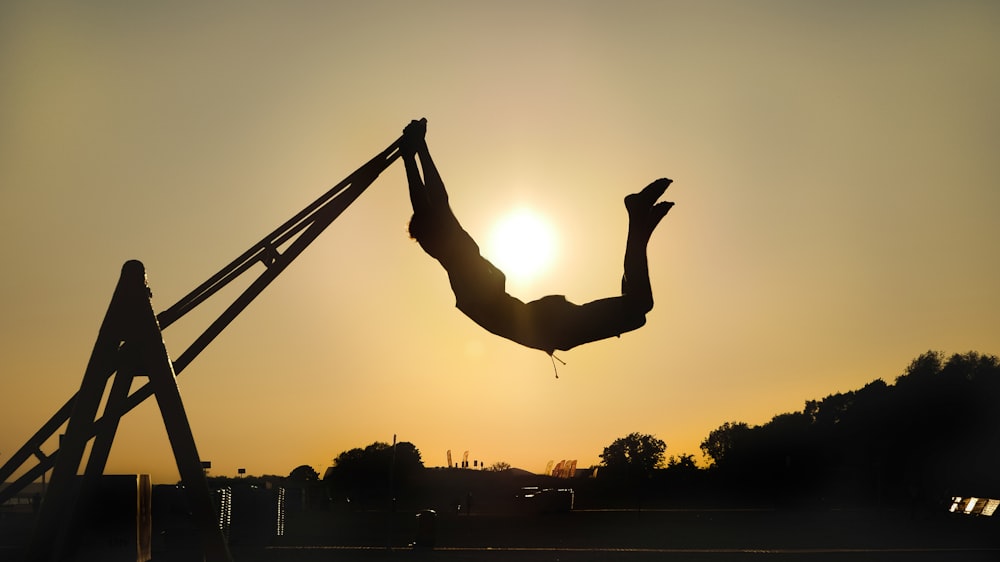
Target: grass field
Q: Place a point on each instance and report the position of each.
(716, 535)
(632, 535)
(498, 530)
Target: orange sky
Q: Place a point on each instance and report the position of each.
(835, 176)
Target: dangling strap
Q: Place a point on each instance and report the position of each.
(553, 357)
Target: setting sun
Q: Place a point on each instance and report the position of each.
(522, 245)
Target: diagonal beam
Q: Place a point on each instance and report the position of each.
(298, 232)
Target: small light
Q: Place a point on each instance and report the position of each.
(971, 505)
(990, 508)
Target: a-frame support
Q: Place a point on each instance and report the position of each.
(129, 344)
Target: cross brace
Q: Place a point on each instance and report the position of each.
(130, 344)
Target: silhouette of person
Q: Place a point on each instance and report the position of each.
(551, 322)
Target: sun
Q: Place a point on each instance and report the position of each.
(522, 245)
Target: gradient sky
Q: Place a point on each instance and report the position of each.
(836, 179)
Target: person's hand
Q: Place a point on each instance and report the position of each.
(413, 136)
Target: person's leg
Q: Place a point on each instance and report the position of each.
(644, 214)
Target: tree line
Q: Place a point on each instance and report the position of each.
(932, 434)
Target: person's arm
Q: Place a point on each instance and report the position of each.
(418, 195)
(413, 141)
(433, 184)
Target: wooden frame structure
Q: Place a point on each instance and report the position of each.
(130, 345)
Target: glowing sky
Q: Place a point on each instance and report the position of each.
(836, 180)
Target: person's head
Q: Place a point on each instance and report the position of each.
(417, 227)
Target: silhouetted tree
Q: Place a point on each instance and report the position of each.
(682, 478)
(945, 437)
(683, 462)
(499, 466)
(636, 454)
(726, 442)
(375, 472)
(303, 473)
(931, 433)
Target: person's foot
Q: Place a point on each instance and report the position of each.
(642, 207)
(641, 202)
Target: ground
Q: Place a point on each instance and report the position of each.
(498, 531)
